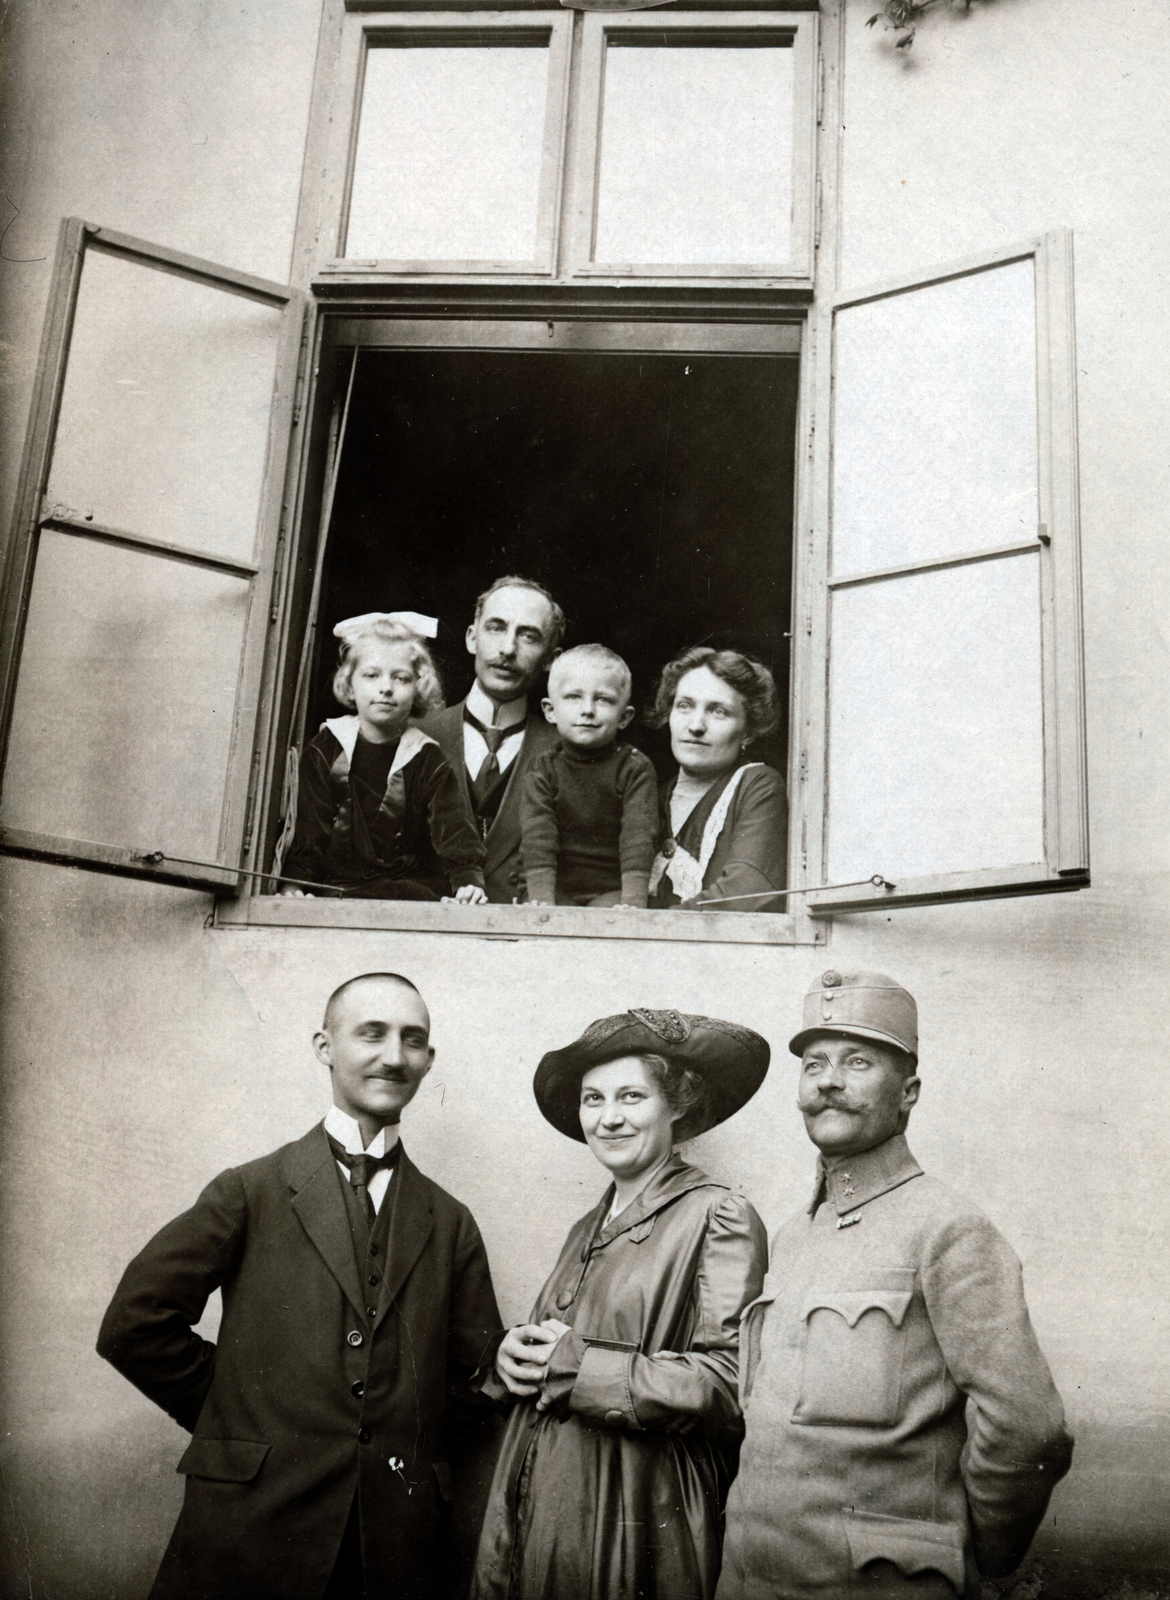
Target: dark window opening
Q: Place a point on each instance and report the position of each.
(651, 494)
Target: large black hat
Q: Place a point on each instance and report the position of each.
(732, 1061)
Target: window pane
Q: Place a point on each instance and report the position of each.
(936, 722)
(449, 154)
(125, 704)
(164, 422)
(696, 155)
(934, 444)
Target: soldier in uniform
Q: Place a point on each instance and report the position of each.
(903, 1431)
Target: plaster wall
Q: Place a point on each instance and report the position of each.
(145, 1051)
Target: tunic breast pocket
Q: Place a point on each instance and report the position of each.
(853, 1351)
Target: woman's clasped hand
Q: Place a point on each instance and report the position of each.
(523, 1356)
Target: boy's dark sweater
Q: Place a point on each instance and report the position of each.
(588, 823)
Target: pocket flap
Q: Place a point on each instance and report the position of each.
(852, 1304)
(911, 1545)
(226, 1460)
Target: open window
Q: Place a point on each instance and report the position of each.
(141, 565)
(944, 634)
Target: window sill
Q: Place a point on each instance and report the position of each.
(520, 922)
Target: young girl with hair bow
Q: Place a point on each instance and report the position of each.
(379, 812)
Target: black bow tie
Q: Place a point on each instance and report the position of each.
(362, 1168)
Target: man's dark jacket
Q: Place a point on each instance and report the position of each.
(502, 869)
(306, 1397)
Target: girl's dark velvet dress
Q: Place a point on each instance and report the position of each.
(383, 822)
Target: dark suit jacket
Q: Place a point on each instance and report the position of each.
(306, 1398)
(502, 869)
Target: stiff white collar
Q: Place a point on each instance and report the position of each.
(346, 729)
(347, 1133)
(492, 715)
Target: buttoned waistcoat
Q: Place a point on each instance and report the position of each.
(323, 1383)
(502, 869)
(884, 1313)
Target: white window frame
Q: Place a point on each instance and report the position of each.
(798, 31)
(149, 858)
(362, 32)
(1066, 843)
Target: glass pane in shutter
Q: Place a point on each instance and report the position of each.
(164, 420)
(126, 698)
(696, 154)
(935, 442)
(449, 154)
(936, 745)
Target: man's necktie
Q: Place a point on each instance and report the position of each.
(488, 775)
(361, 1171)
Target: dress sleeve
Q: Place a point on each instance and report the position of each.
(673, 1390)
(148, 1332)
(453, 833)
(639, 827)
(306, 859)
(539, 835)
(754, 858)
(1017, 1447)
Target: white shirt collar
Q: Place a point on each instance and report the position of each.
(346, 729)
(505, 716)
(347, 1133)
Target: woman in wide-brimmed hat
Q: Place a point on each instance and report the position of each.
(626, 1424)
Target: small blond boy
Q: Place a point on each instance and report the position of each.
(589, 807)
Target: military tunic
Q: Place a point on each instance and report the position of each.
(884, 1312)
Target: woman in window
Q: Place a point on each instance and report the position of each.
(625, 1428)
(724, 819)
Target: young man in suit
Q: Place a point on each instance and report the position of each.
(357, 1306)
(491, 738)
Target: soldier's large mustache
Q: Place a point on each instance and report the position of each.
(829, 1103)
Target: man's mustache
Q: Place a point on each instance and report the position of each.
(828, 1103)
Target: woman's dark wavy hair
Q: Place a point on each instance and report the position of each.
(684, 1091)
(750, 679)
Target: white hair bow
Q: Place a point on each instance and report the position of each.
(425, 627)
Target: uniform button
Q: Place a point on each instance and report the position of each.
(364, 1435)
(354, 1338)
(373, 1249)
(357, 1389)
(831, 979)
(614, 1416)
(373, 1280)
(564, 1299)
(371, 1311)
